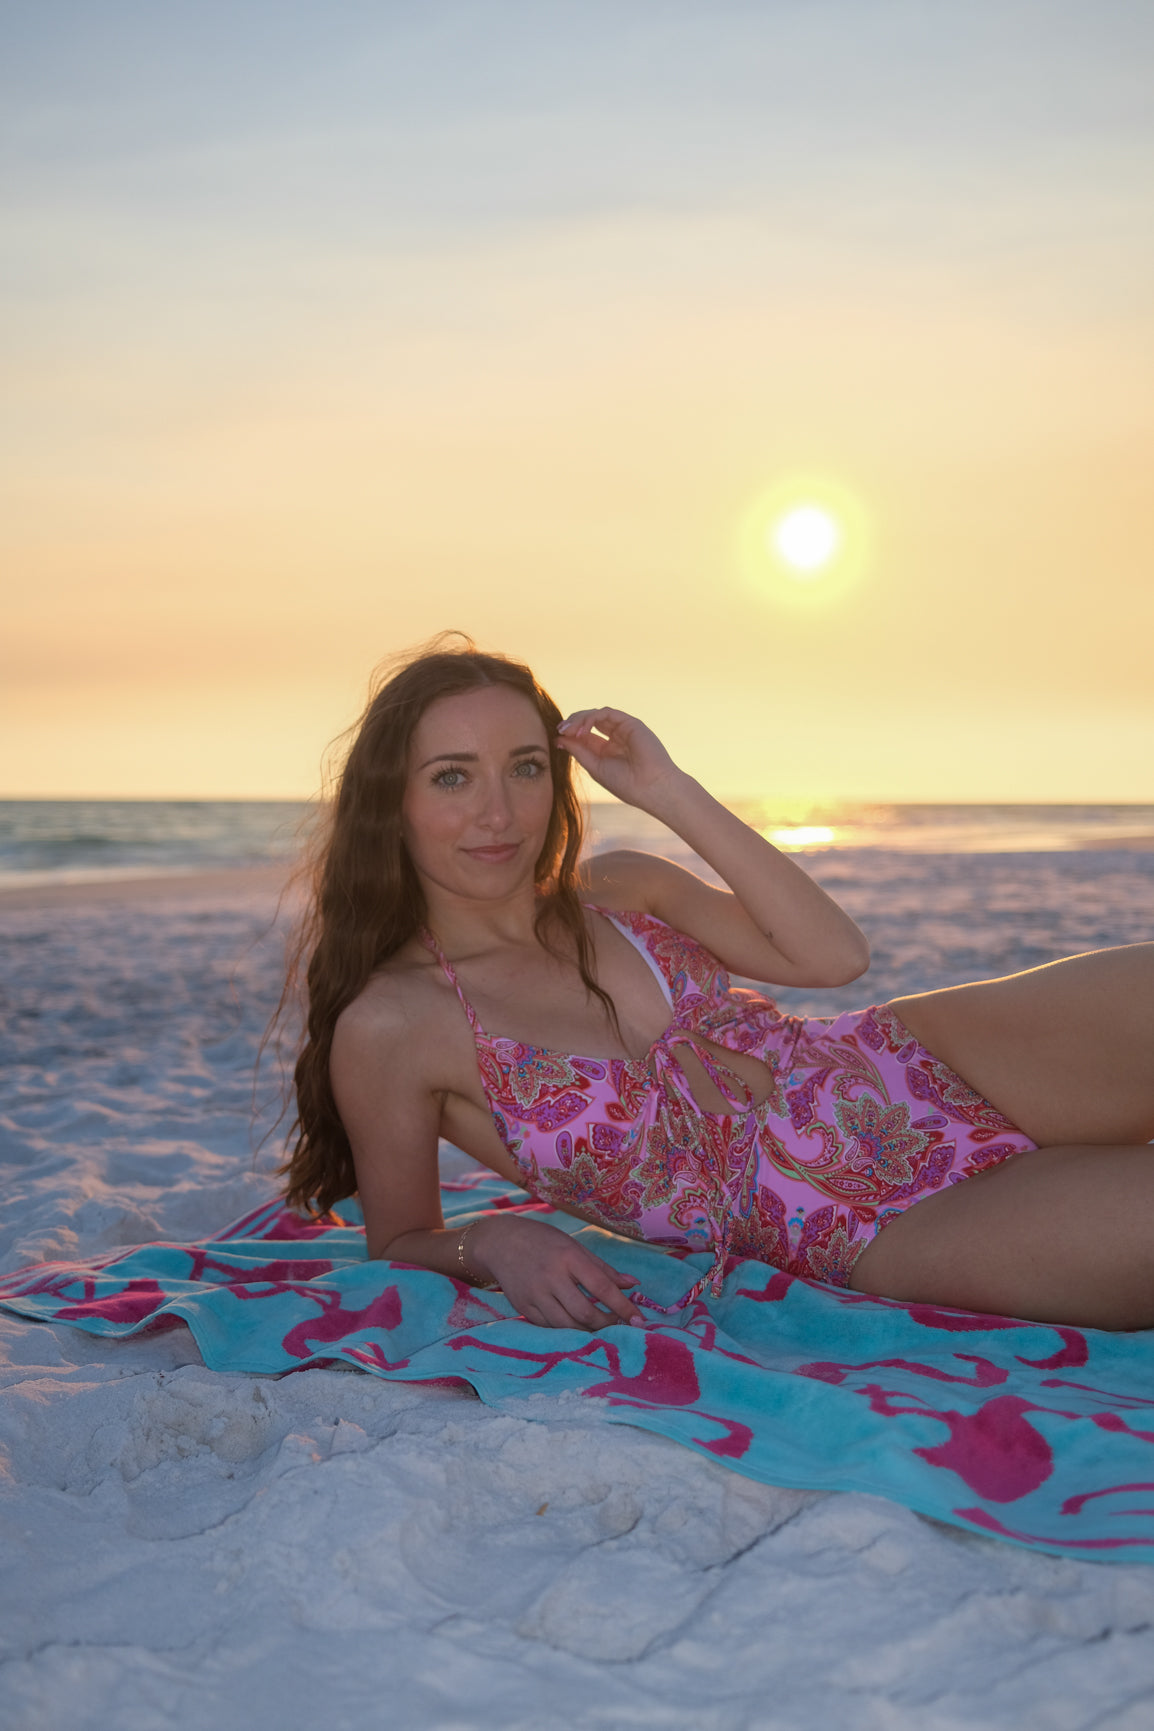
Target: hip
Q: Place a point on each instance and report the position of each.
(867, 1123)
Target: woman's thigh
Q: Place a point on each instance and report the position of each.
(1054, 1235)
(1065, 1051)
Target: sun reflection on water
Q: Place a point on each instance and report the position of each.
(802, 835)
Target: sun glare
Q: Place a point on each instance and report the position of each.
(805, 542)
(801, 835)
(806, 538)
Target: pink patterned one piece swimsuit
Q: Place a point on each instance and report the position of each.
(859, 1123)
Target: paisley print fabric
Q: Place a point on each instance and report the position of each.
(860, 1121)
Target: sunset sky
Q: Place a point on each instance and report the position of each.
(330, 326)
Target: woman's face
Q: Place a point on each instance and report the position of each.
(479, 793)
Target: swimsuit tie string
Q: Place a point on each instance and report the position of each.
(725, 1080)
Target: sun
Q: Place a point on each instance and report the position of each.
(806, 538)
(805, 542)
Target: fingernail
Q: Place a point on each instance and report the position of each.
(637, 1322)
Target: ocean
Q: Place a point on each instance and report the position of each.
(88, 841)
(945, 893)
(58, 841)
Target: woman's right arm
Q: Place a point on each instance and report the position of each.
(388, 1091)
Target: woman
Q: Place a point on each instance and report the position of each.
(571, 1025)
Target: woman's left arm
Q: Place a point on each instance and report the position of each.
(777, 925)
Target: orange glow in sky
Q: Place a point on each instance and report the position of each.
(839, 477)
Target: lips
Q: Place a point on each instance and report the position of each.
(493, 855)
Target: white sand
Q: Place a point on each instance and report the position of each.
(184, 1548)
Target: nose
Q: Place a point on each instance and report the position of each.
(495, 812)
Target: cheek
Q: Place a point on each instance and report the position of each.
(536, 799)
(428, 819)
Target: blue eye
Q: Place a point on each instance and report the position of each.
(449, 778)
(533, 768)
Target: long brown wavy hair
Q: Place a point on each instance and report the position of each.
(366, 900)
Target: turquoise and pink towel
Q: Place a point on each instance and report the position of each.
(1040, 1435)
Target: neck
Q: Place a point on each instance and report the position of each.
(462, 924)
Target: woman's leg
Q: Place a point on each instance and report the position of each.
(1065, 1051)
(1053, 1235)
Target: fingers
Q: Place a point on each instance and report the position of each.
(583, 721)
(610, 1290)
(598, 739)
(595, 1298)
(569, 1310)
(592, 1304)
(549, 1312)
(615, 1273)
(561, 1284)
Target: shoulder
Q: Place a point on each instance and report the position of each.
(626, 881)
(405, 1015)
(707, 928)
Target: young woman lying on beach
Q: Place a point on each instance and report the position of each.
(571, 1025)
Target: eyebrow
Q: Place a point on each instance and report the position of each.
(471, 756)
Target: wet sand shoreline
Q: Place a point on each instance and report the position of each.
(267, 881)
(271, 880)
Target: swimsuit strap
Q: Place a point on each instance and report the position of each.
(450, 974)
(638, 942)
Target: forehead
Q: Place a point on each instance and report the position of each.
(494, 718)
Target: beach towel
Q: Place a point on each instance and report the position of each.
(1040, 1435)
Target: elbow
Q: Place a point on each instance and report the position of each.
(857, 962)
(849, 965)
(376, 1251)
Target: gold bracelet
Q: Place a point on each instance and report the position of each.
(488, 1284)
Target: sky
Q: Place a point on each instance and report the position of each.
(327, 327)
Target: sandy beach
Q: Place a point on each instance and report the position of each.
(194, 1549)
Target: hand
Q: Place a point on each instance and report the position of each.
(542, 1271)
(621, 754)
